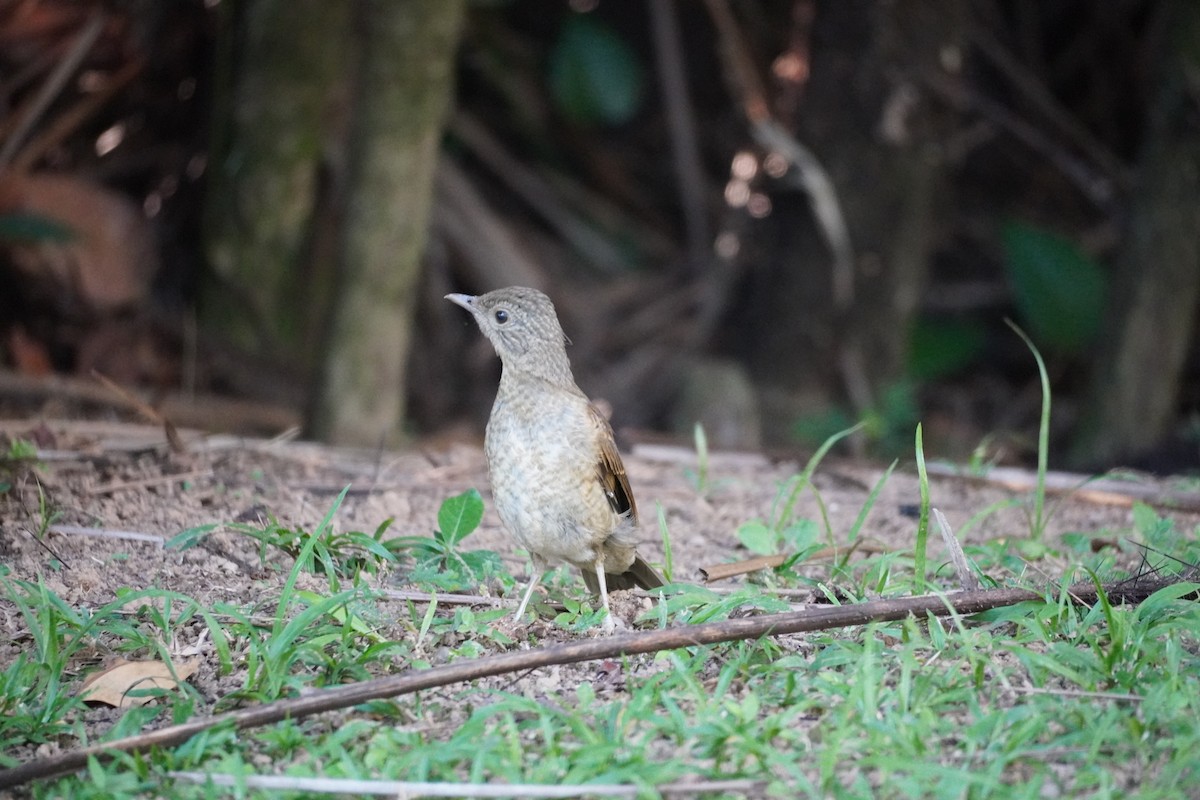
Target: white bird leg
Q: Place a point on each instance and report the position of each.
(537, 577)
(608, 625)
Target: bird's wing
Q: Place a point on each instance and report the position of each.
(609, 469)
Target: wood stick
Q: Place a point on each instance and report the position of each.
(365, 787)
(720, 572)
(142, 483)
(200, 411)
(1100, 491)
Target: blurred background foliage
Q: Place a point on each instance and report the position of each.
(778, 217)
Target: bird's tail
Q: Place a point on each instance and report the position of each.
(640, 575)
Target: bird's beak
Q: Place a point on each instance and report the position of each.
(467, 301)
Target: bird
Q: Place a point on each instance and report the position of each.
(558, 482)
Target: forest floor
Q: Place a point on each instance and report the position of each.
(63, 516)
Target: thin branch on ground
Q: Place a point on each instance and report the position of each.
(142, 483)
(356, 786)
(720, 572)
(443, 599)
(104, 533)
(206, 412)
(1111, 491)
(145, 409)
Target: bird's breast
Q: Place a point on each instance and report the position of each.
(542, 457)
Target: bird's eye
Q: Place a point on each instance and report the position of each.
(501, 316)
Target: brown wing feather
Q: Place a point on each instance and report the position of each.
(610, 470)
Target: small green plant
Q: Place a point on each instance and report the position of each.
(668, 557)
(20, 458)
(698, 477)
(1160, 535)
(439, 561)
(38, 702)
(761, 539)
(579, 615)
(841, 565)
(21, 450)
(47, 514)
(323, 625)
(478, 626)
(692, 605)
(783, 532)
(1038, 522)
(336, 554)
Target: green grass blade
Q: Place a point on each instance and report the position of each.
(1038, 527)
(304, 557)
(923, 519)
(869, 503)
(802, 480)
(668, 560)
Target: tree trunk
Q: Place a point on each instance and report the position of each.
(281, 108)
(404, 82)
(1135, 384)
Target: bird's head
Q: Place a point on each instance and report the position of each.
(522, 325)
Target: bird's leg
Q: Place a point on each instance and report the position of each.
(608, 625)
(533, 582)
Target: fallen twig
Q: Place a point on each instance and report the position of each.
(810, 619)
(1090, 489)
(145, 409)
(720, 572)
(103, 533)
(358, 786)
(209, 412)
(444, 599)
(142, 483)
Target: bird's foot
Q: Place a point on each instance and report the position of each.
(611, 624)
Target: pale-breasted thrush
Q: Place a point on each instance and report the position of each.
(557, 479)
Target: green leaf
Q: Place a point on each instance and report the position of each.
(1145, 518)
(942, 347)
(1059, 290)
(23, 226)
(595, 76)
(800, 535)
(190, 537)
(460, 515)
(756, 537)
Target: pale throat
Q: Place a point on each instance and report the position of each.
(546, 364)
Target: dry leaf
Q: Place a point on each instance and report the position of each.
(111, 259)
(113, 685)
